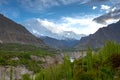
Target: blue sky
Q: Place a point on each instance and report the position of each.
(60, 15)
(20, 10)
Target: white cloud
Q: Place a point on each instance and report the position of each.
(66, 2)
(105, 7)
(52, 26)
(110, 21)
(41, 5)
(83, 25)
(115, 1)
(35, 31)
(113, 9)
(37, 5)
(112, 15)
(94, 7)
(79, 25)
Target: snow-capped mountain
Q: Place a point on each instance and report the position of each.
(71, 35)
(36, 27)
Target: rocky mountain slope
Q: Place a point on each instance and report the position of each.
(11, 32)
(97, 40)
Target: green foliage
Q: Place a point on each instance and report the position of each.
(102, 65)
(40, 76)
(89, 59)
(106, 73)
(2, 61)
(109, 49)
(114, 60)
(11, 73)
(26, 77)
(86, 76)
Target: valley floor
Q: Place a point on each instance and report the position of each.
(88, 65)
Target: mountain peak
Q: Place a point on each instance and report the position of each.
(36, 27)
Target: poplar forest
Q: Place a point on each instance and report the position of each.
(104, 64)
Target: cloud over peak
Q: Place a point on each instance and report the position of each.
(78, 25)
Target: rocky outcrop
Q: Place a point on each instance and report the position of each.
(18, 71)
(15, 72)
(48, 60)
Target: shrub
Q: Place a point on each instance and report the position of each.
(86, 76)
(115, 60)
(26, 77)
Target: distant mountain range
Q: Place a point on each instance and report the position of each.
(59, 44)
(11, 32)
(61, 40)
(98, 39)
(35, 27)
